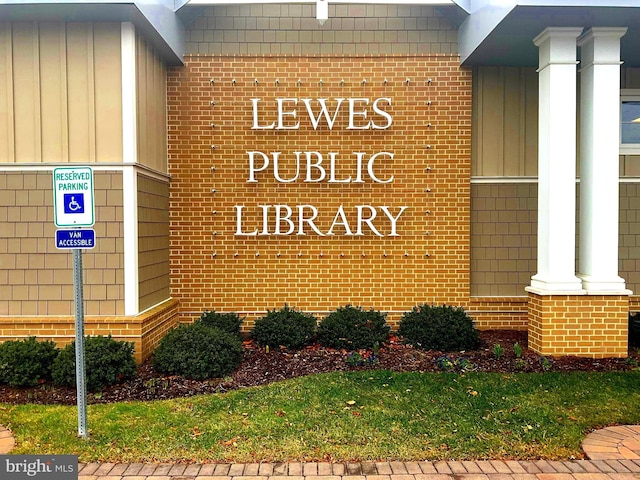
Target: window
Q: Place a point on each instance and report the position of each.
(630, 126)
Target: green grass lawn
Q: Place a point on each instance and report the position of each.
(347, 416)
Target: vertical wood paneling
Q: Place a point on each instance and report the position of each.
(26, 92)
(79, 103)
(512, 161)
(108, 93)
(160, 115)
(492, 117)
(630, 78)
(60, 92)
(7, 153)
(505, 118)
(53, 92)
(142, 84)
(531, 123)
(151, 104)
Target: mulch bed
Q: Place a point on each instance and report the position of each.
(260, 367)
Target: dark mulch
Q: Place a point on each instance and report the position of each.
(260, 367)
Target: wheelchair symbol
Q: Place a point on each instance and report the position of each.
(73, 203)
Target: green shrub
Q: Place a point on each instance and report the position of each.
(227, 322)
(23, 363)
(634, 330)
(286, 327)
(352, 328)
(107, 362)
(198, 351)
(443, 328)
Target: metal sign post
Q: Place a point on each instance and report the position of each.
(73, 201)
(80, 366)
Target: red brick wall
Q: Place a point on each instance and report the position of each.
(212, 268)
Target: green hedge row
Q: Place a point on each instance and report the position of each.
(430, 327)
(25, 363)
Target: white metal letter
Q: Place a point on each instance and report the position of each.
(370, 167)
(282, 113)
(254, 102)
(361, 113)
(239, 231)
(317, 165)
(315, 121)
(382, 113)
(393, 219)
(252, 165)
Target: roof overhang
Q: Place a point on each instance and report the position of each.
(501, 32)
(156, 20)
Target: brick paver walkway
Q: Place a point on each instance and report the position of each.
(613, 443)
(7, 441)
(465, 470)
(613, 454)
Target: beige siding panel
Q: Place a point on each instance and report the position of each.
(142, 94)
(491, 116)
(37, 278)
(53, 95)
(160, 115)
(530, 77)
(80, 101)
(513, 157)
(630, 165)
(153, 241)
(630, 78)
(505, 122)
(108, 92)
(6, 95)
(152, 130)
(26, 92)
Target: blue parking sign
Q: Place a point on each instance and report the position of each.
(73, 202)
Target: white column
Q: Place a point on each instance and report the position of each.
(129, 174)
(557, 163)
(599, 160)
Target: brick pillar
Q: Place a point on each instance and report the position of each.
(592, 326)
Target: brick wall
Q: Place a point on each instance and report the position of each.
(293, 29)
(144, 330)
(584, 325)
(499, 313)
(213, 268)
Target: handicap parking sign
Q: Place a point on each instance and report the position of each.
(73, 202)
(73, 197)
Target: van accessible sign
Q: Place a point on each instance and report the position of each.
(66, 239)
(73, 203)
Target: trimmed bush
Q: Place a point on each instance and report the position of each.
(634, 330)
(443, 328)
(227, 322)
(107, 362)
(198, 351)
(286, 327)
(24, 363)
(352, 328)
